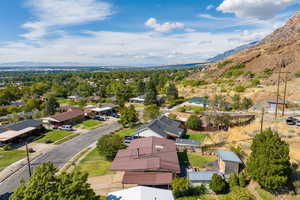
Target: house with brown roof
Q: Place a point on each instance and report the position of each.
(148, 161)
(69, 117)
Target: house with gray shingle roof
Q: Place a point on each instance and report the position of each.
(162, 127)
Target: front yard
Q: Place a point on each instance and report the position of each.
(94, 164)
(54, 136)
(126, 132)
(9, 157)
(89, 124)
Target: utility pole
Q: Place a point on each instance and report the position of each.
(262, 120)
(28, 159)
(281, 66)
(284, 94)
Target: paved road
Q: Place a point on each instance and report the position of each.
(59, 155)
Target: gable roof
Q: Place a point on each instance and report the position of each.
(202, 176)
(20, 125)
(163, 126)
(141, 193)
(198, 100)
(147, 178)
(150, 153)
(60, 117)
(228, 156)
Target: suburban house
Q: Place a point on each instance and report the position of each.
(228, 162)
(197, 101)
(66, 118)
(141, 99)
(202, 178)
(106, 109)
(141, 193)
(188, 145)
(272, 104)
(149, 161)
(15, 132)
(162, 127)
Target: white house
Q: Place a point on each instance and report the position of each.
(141, 193)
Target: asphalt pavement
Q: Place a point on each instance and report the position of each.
(59, 156)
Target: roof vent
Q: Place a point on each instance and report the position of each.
(159, 147)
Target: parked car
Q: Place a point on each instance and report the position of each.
(291, 121)
(115, 115)
(298, 123)
(65, 128)
(100, 118)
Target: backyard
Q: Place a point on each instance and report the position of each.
(126, 132)
(9, 157)
(194, 135)
(54, 136)
(94, 164)
(195, 159)
(89, 124)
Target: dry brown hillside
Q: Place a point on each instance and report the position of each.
(259, 61)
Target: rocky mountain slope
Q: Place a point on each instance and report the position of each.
(283, 45)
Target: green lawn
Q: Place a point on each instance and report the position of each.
(65, 101)
(192, 135)
(198, 160)
(54, 136)
(265, 195)
(89, 124)
(69, 137)
(194, 159)
(126, 132)
(9, 157)
(95, 164)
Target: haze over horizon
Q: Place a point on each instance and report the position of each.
(112, 32)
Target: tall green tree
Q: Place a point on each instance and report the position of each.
(236, 102)
(194, 122)
(151, 93)
(50, 105)
(151, 112)
(246, 103)
(171, 92)
(269, 162)
(109, 145)
(46, 184)
(129, 116)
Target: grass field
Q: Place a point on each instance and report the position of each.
(89, 124)
(126, 132)
(69, 137)
(9, 157)
(95, 164)
(198, 160)
(192, 135)
(54, 136)
(264, 194)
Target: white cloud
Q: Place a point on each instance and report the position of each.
(121, 48)
(165, 27)
(56, 13)
(209, 7)
(258, 9)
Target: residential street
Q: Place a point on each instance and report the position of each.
(59, 155)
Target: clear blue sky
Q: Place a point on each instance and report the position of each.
(133, 32)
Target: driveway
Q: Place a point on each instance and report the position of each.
(59, 155)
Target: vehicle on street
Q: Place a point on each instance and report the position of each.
(65, 128)
(100, 118)
(298, 123)
(115, 115)
(291, 121)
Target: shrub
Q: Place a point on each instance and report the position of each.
(172, 116)
(218, 184)
(49, 141)
(239, 89)
(242, 180)
(181, 109)
(296, 185)
(31, 150)
(7, 147)
(233, 180)
(109, 145)
(194, 122)
(224, 63)
(182, 187)
(234, 71)
(297, 74)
